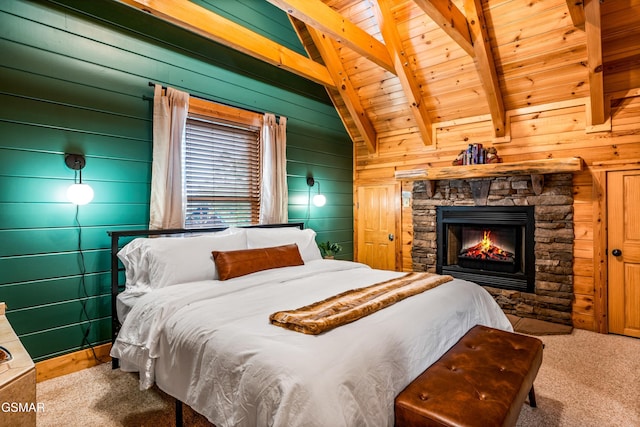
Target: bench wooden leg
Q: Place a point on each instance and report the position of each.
(179, 422)
(532, 398)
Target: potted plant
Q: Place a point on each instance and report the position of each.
(328, 250)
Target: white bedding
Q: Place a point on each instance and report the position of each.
(125, 302)
(210, 344)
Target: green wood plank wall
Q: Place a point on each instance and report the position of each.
(72, 79)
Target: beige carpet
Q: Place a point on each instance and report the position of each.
(586, 380)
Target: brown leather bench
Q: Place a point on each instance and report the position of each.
(483, 380)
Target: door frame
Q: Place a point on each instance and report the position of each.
(600, 238)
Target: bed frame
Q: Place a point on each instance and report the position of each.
(117, 267)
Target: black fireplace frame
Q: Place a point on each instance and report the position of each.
(487, 216)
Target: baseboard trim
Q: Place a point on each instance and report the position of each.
(72, 362)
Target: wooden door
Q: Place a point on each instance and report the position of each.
(623, 212)
(377, 225)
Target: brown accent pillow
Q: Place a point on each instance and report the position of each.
(232, 264)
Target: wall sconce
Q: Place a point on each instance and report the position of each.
(78, 193)
(319, 200)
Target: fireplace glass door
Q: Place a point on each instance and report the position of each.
(492, 246)
(486, 248)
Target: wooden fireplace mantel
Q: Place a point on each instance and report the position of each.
(536, 168)
(528, 167)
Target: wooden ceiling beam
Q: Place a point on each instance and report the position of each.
(410, 86)
(318, 15)
(212, 26)
(451, 20)
(485, 65)
(305, 38)
(593, 31)
(329, 53)
(576, 10)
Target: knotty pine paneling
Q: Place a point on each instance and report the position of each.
(583, 248)
(583, 267)
(583, 304)
(540, 59)
(549, 132)
(407, 226)
(541, 65)
(583, 285)
(583, 321)
(583, 230)
(514, 31)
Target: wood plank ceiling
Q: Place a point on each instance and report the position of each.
(395, 68)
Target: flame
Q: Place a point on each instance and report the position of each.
(486, 242)
(486, 249)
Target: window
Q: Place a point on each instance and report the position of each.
(222, 166)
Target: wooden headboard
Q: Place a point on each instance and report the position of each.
(117, 267)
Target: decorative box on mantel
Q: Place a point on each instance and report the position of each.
(480, 187)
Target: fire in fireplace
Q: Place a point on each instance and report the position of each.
(492, 246)
(480, 250)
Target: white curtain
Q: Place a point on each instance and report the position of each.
(274, 198)
(167, 203)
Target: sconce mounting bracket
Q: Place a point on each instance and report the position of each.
(75, 161)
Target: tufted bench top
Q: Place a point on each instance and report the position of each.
(483, 380)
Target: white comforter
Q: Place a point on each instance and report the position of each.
(210, 344)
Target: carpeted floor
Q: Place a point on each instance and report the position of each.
(586, 380)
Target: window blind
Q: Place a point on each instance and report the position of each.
(222, 170)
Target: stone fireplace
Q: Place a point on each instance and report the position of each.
(519, 246)
(490, 245)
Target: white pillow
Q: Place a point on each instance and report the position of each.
(269, 237)
(189, 260)
(186, 257)
(135, 263)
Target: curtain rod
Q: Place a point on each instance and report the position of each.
(150, 98)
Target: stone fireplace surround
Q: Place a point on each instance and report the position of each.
(553, 295)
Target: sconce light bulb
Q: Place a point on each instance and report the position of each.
(319, 200)
(80, 194)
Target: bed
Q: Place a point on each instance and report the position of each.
(210, 344)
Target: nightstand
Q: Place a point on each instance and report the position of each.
(18, 404)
